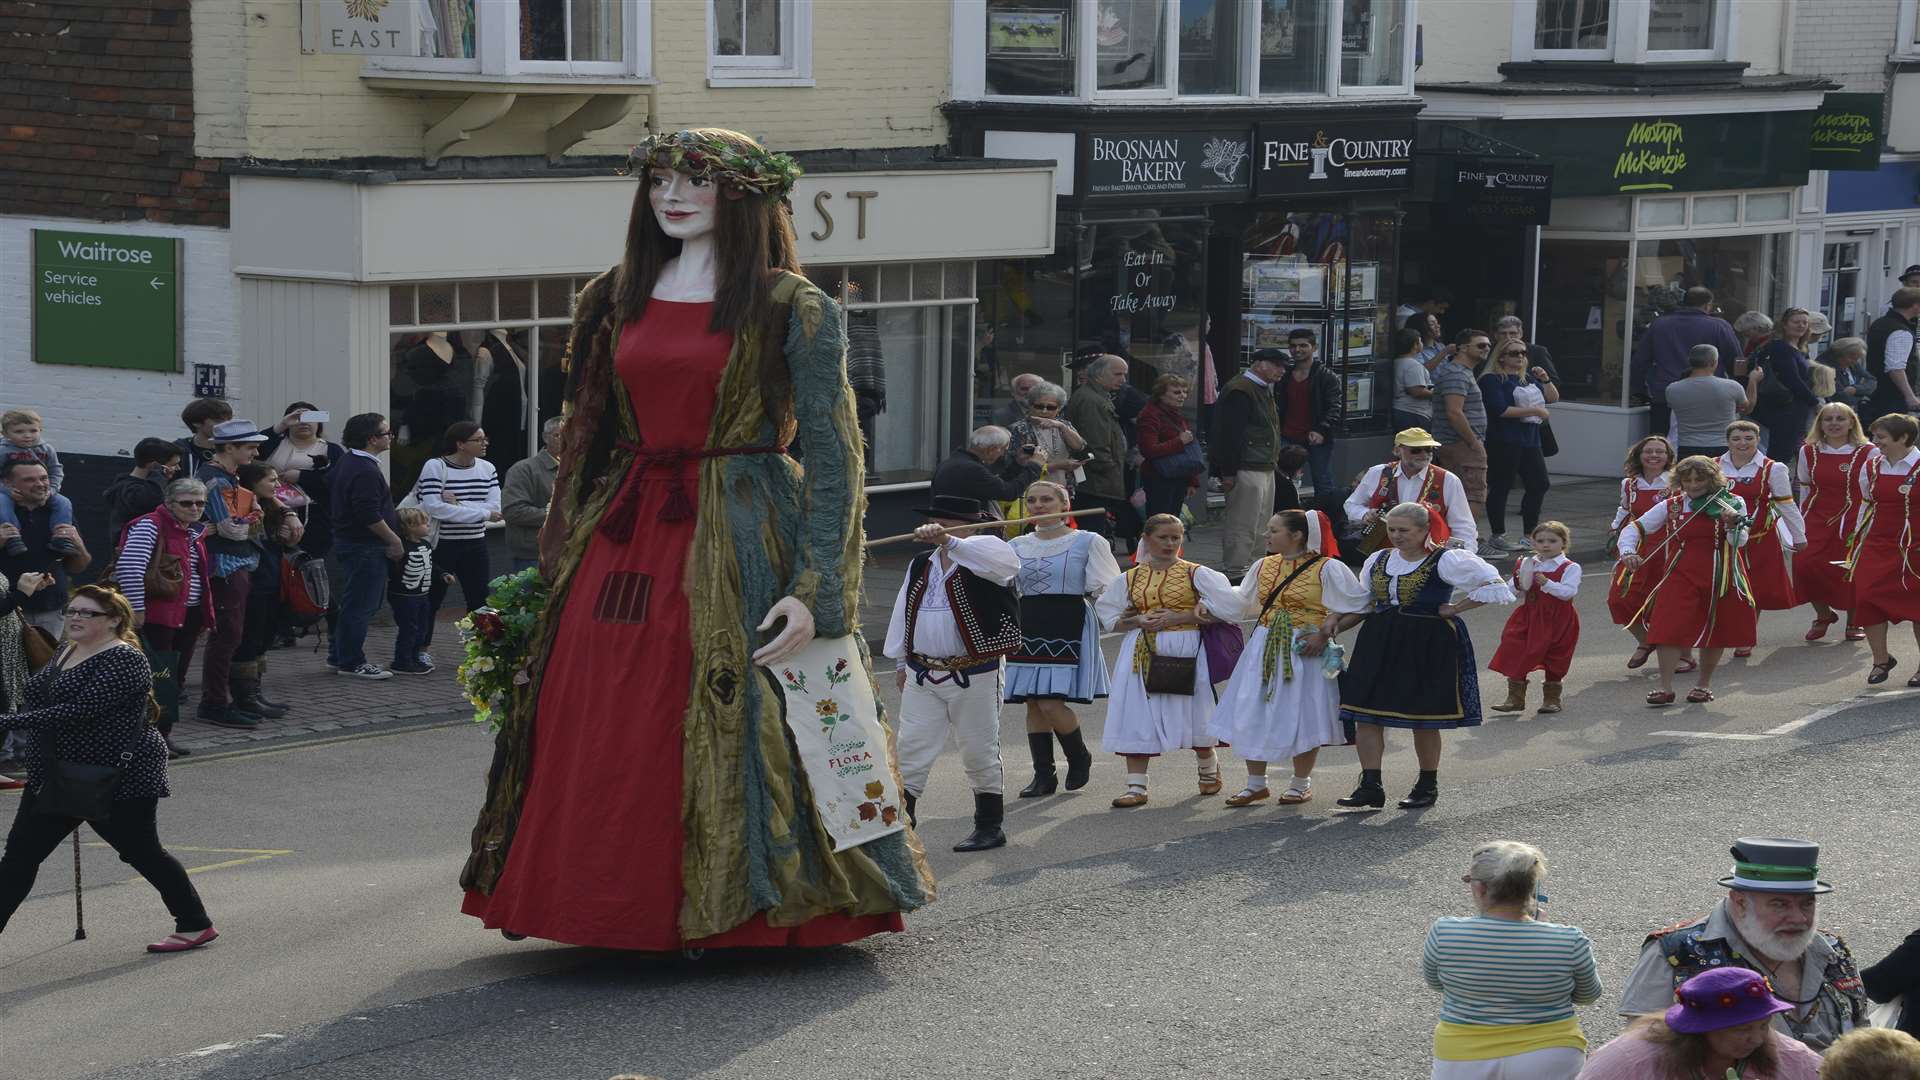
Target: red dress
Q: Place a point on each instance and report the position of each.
(1766, 561)
(1627, 594)
(1832, 510)
(596, 857)
(1889, 557)
(1702, 600)
(1541, 633)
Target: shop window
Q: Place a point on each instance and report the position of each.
(1373, 44)
(598, 38)
(1582, 316)
(1134, 286)
(1030, 48)
(1621, 31)
(1746, 273)
(1716, 209)
(1769, 206)
(1331, 274)
(1129, 50)
(760, 42)
(1210, 46)
(909, 330)
(1293, 52)
(485, 351)
(1662, 213)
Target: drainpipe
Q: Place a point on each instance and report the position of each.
(1789, 10)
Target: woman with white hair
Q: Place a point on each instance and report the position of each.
(1509, 982)
(1412, 666)
(1045, 427)
(1753, 328)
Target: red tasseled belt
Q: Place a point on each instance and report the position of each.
(618, 521)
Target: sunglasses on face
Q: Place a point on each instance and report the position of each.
(189, 502)
(1044, 408)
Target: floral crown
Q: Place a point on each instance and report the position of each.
(760, 171)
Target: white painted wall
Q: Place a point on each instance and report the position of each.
(92, 410)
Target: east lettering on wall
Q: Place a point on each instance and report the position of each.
(106, 300)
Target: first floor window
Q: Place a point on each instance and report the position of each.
(1210, 46)
(1572, 24)
(571, 29)
(747, 28)
(1293, 54)
(1679, 25)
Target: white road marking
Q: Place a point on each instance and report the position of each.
(1791, 726)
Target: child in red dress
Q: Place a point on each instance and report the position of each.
(1886, 555)
(1648, 479)
(1830, 465)
(1542, 632)
(1776, 525)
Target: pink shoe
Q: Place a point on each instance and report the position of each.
(183, 942)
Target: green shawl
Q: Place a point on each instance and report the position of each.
(767, 528)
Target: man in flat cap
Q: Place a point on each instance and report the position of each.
(1766, 924)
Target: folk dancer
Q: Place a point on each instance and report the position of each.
(1283, 701)
(1061, 569)
(1701, 599)
(1544, 630)
(1412, 666)
(1412, 477)
(953, 620)
(1649, 479)
(1160, 706)
(1886, 554)
(1830, 463)
(1767, 488)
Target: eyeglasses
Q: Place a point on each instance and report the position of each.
(1521, 353)
(88, 614)
(189, 502)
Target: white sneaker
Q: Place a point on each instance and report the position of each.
(365, 671)
(1507, 542)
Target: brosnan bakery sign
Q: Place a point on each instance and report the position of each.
(1327, 159)
(1167, 162)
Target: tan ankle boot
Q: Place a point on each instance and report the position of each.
(1550, 697)
(1516, 697)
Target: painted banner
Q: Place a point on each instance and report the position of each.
(841, 742)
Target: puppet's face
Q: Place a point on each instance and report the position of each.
(682, 203)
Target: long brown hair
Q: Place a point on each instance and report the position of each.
(752, 234)
(116, 607)
(1683, 1056)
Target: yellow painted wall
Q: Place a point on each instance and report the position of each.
(880, 69)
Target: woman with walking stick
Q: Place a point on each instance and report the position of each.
(91, 709)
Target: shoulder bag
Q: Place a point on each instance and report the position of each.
(166, 576)
(39, 644)
(77, 790)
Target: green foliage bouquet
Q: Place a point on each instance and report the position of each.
(499, 643)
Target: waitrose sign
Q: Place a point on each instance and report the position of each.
(106, 300)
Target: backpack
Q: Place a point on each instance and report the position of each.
(305, 590)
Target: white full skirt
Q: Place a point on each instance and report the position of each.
(1143, 723)
(1303, 715)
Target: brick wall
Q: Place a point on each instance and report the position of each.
(1846, 40)
(96, 114)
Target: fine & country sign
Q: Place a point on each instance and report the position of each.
(106, 300)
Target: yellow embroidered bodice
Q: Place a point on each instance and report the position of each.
(1301, 602)
(1162, 590)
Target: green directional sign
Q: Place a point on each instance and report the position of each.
(106, 300)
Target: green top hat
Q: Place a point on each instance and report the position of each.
(1776, 865)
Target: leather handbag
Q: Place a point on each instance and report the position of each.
(1170, 674)
(1187, 462)
(40, 645)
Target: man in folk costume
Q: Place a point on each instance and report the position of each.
(1412, 477)
(955, 619)
(1766, 923)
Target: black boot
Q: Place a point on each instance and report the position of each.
(227, 716)
(260, 689)
(1370, 793)
(1426, 791)
(1045, 780)
(244, 684)
(988, 812)
(1079, 760)
(912, 801)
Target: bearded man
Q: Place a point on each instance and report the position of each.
(1766, 924)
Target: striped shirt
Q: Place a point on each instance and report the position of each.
(476, 495)
(1500, 971)
(130, 566)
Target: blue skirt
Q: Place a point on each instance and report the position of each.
(1411, 671)
(1059, 656)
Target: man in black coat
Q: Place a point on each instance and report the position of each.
(975, 470)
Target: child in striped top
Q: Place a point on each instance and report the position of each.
(1509, 983)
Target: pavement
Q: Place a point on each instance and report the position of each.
(1181, 939)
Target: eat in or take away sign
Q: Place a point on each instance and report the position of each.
(106, 300)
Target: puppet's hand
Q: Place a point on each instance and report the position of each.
(792, 638)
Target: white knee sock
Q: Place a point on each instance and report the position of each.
(1137, 780)
(1256, 782)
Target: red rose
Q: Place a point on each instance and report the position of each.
(488, 624)
(867, 810)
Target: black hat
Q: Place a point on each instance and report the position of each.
(1910, 272)
(1776, 865)
(956, 508)
(1271, 356)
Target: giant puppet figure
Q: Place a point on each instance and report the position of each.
(644, 792)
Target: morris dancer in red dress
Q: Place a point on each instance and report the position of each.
(1829, 467)
(1648, 479)
(1702, 599)
(1886, 560)
(1767, 488)
(1543, 631)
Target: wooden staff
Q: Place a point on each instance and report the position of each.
(956, 529)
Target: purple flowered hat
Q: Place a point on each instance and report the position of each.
(1722, 998)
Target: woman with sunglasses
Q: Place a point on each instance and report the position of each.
(93, 705)
(1516, 401)
(1045, 426)
(176, 534)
